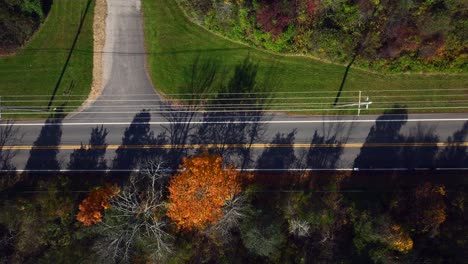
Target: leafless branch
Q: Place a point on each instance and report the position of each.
(233, 212)
(134, 217)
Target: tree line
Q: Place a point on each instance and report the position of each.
(407, 35)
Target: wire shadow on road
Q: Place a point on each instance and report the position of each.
(86, 161)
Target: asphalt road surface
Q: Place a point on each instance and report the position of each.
(127, 88)
(250, 140)
(392, 142)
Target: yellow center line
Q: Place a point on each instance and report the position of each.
(257, 145)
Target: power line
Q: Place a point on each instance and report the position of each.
(374, 109)
(216, 106)
(226, 99)
(249, 93)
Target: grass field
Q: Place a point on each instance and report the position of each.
(173, 43)
(30, 77)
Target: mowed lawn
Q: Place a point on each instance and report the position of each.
(29, 77)
(173, 43)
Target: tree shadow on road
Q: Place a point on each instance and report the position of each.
(455, 155)
(88, 160)
(43, 160)
(327, 146)
(412, 156)
(385, 131)
(416, 150)
(137, 143)
(236, 114)
(43, 155)
(201, 77)
(9, 136)
(281, 155)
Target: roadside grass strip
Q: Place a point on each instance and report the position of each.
(174, 43)
(56, 63)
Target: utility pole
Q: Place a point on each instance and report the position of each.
(358, 104)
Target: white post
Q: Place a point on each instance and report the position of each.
(359, 104)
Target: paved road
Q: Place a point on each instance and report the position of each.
(395, 141)
(127, 88)
(420, 141)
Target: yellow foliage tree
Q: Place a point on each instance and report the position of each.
(399, 240)
(430, 206)
(199, 192)
(91, 208)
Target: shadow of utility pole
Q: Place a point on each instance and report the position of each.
(343, 81)
(59, 81)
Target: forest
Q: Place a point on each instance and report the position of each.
(190, 218)
(384, 35)
(19, 19)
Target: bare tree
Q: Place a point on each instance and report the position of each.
(137, 215)
(298, 227)
(233, 212)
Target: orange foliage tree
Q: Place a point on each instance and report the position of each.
(91, 208)
(199, 192)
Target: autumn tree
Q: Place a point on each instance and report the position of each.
(91, 208)
(379, 237)
(428, 208)
(274, 17)
(200, 191)
(399, 240)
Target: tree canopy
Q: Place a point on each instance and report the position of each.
(91, 208)
(199, 192)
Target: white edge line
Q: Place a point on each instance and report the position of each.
(250, 170)
(240, 122)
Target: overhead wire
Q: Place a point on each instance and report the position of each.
(444, 90)
(243, 111)
(224, 106)
(30, 106)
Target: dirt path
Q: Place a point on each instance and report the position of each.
(99, 29)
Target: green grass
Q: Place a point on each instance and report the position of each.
(35, 69)
(173, 42)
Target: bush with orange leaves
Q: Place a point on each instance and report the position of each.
(91, 207)
(200, 191)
